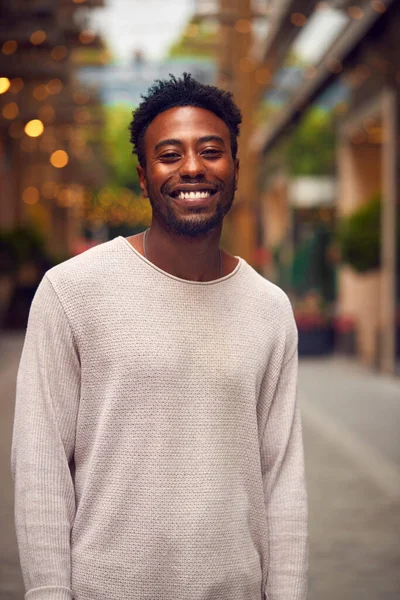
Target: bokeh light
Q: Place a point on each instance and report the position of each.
(34, 128)
(10, 110)
(87, 36)
(54, 86)
(59, 159)
(4, 85)
(298, 19)
(31, 195)
(38, 37)
(40, 92)
(58, 53)
(9, 47)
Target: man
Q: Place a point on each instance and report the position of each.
(157, 447)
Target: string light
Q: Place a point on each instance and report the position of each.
(4, 85)
(38, 37)
(40, 92)
(34, 128)
(355, 12)
(54, 86)
(30, 195)
(87, 36)
(10, 110)
(59, 159)
(298, 19)
(58, 53)
(378, 6)
(9, 47)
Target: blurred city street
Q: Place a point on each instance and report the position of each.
(351, 422)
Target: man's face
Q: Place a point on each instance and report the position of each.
(190, 176)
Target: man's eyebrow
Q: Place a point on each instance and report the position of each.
(169, 142)
(176, 142)
(211, 138)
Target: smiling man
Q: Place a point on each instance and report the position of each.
(157, 449)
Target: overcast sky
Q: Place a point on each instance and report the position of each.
(153, 25)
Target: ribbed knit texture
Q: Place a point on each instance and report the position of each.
(157, 450)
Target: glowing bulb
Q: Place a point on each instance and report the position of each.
(298, 19)
(4, 84)
(30, 195)
(87, 36)
(59, 159)
(9, 47)
(58, 53)
(54, 86)
(10, 110)
(34, 128)
(38, 37)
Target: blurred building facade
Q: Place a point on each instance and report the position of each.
(44, 114)
(363, 58)
(48, 124)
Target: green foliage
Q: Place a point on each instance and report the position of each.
(311, 148)
(22, 244)
(359, 237)
(118, 156)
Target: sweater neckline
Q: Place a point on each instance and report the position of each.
(188, 281)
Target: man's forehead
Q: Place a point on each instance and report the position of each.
(188, 121)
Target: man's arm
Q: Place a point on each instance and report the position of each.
(48, 388)
(284, 488)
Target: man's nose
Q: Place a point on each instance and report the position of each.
(192, 166)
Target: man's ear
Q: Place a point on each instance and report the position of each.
(142, 180)
(237, 164)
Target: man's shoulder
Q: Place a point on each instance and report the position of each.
(88, 269)
(264, 290)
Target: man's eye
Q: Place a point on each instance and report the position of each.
(211, 152)
(170, 156)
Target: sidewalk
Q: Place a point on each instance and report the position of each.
(351, 424)
(351, 421)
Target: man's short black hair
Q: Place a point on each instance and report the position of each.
(184, 91)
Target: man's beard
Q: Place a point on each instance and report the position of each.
(198, 224)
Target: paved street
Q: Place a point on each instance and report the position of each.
(351, 430)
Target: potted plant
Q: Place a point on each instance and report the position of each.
(359, 241)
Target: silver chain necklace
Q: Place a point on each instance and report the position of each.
(219, 254)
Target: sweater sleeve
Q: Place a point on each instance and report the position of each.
(284, 489)
(48, 386)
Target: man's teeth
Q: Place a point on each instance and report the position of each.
(194, 195)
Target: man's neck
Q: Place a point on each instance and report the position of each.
(194, 259)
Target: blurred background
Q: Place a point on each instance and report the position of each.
(317, 212)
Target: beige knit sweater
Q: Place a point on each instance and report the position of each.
(157, 450)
